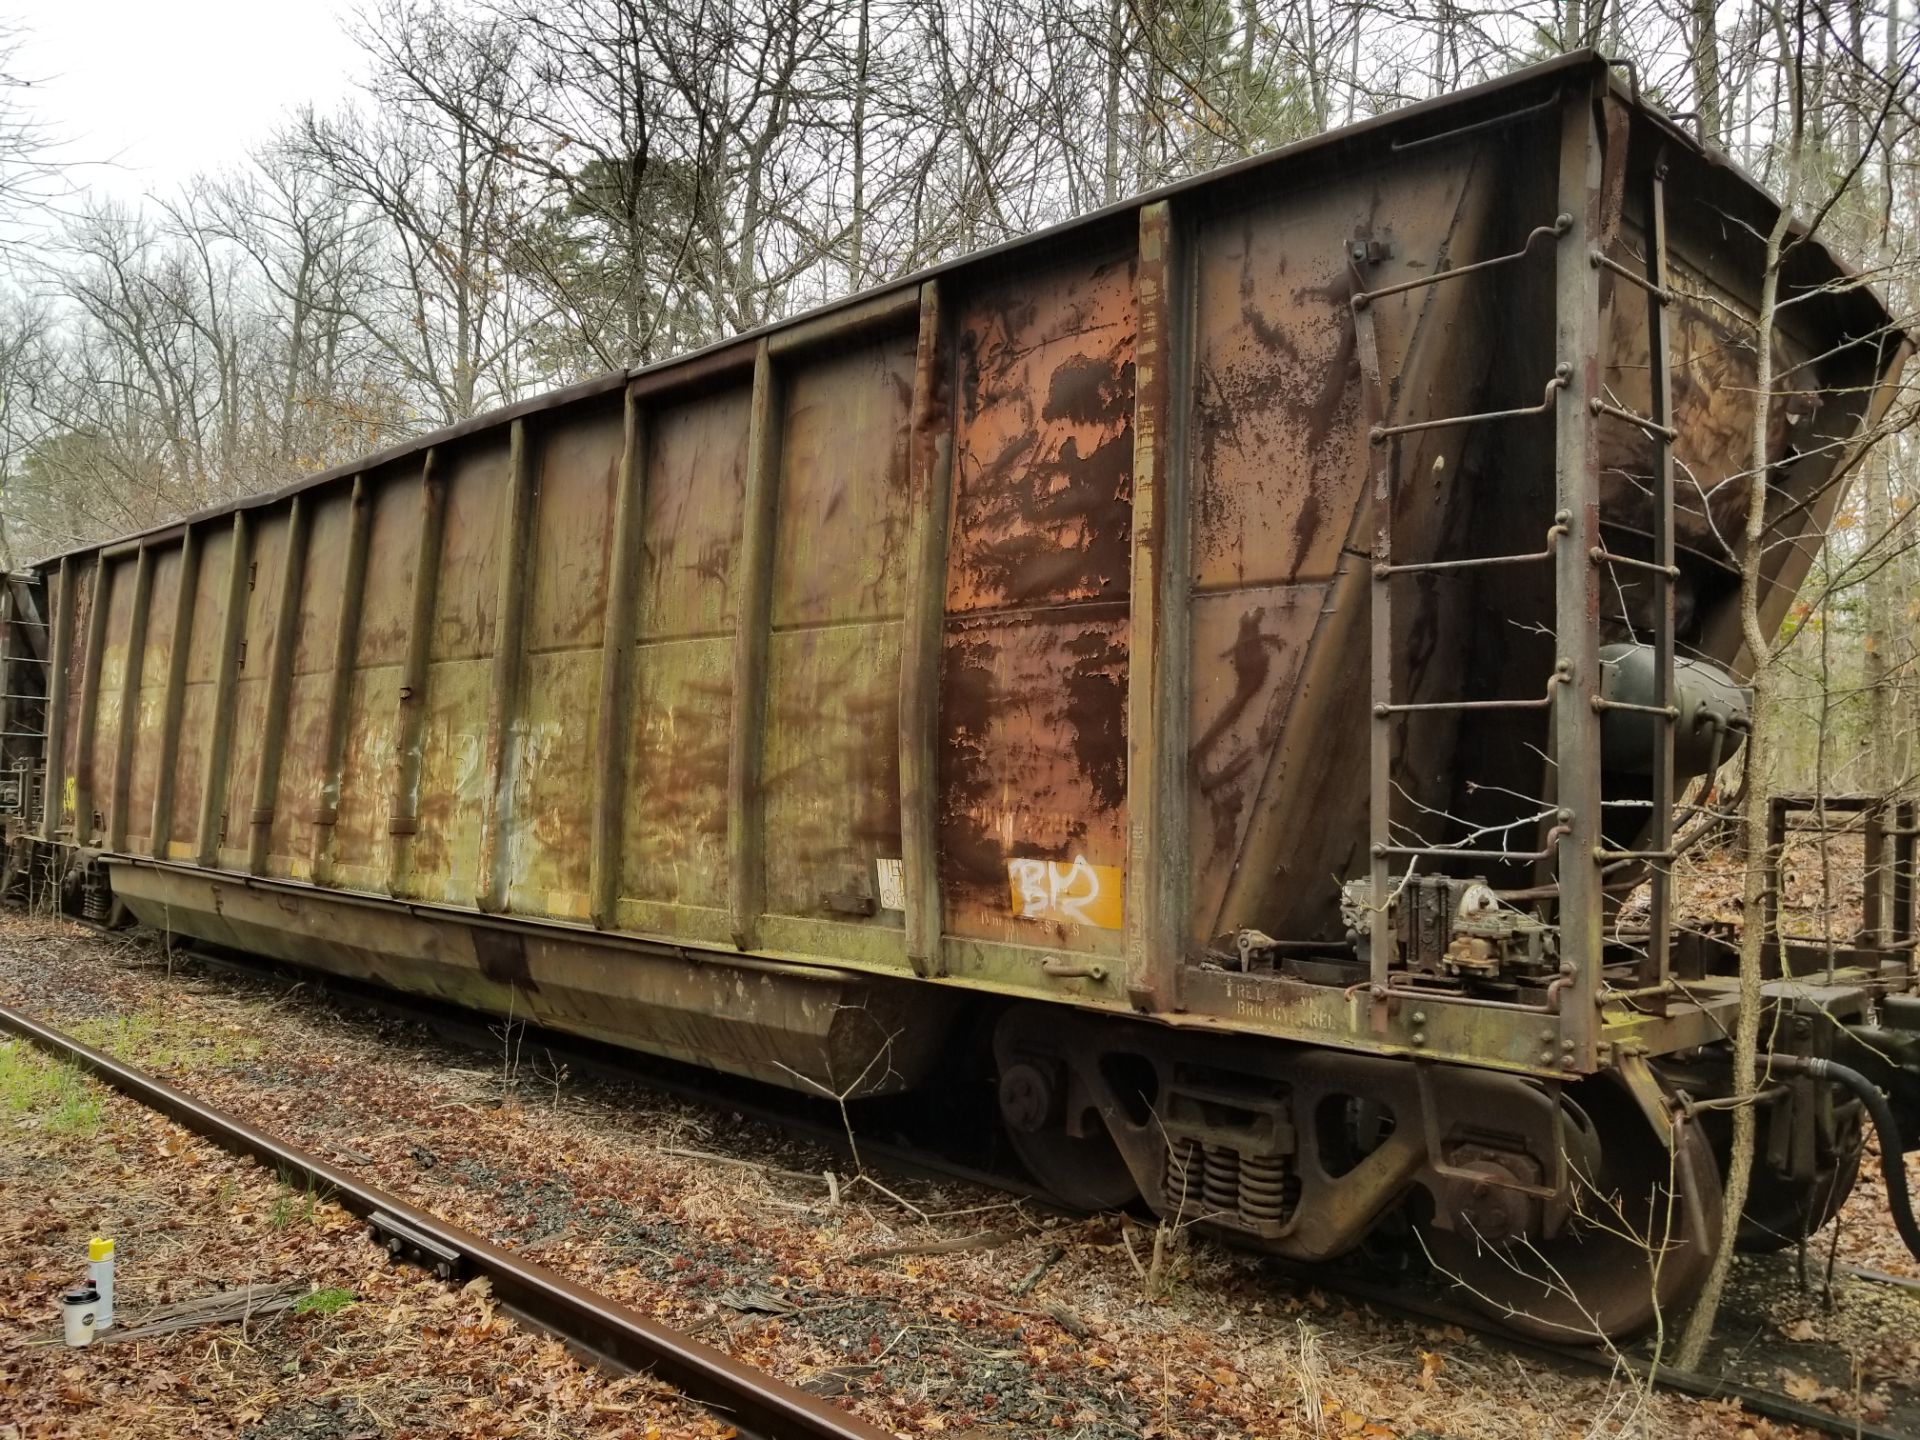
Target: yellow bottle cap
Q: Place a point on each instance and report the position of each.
(98, 1249)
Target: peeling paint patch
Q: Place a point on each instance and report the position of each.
(890, 883)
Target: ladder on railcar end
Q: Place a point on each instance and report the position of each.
(25, 672)
(1573, 739)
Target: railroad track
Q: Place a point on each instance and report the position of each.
(757, 1403)
(604, 1331)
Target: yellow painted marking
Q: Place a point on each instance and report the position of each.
(568, 905)
(1073, 892)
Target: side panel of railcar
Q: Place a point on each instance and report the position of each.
(295, 802)
(355, 850)
(440, 858)
(830, 764)
(199, 702)
(150, 693)
(1033, 779)
(675, 747)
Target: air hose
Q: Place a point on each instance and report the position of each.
(1893, 1160)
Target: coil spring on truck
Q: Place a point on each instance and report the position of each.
(1219, 1181)
(96, 896)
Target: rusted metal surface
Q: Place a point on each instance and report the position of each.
(830, 778)
(84, 588)
(1653, 969)
(549, 823)
(26, 653)
(1010, 630)
(125, 722)
(270, 558)
(410, 715)
(1281, 626)
(85, 765)
(357, 853)
(930, 493)
(1575, 724)
(338, 695)
(674, 846)
(61, 654)
(612, 1334)
(218, 718)
(145, 758)
(1033, 826)
(276, 684)
(443, 854)
(813, 1027)
(1158, 864)
(325, 561)
(185, 565)
(746, 810)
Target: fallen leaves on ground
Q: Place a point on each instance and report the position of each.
(604, 1182)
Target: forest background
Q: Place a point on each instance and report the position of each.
(521, 194)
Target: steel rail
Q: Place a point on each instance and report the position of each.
(617, 1338)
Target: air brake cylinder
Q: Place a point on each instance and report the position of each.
(1714, 714)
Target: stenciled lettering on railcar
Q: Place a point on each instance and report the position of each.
(1072, 892)
(1282, 1006)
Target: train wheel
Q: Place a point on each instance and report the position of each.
(1083, 1170)
(1641, 1237)
(1779, 1212)
(1051, 1118)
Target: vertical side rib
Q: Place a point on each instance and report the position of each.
(746, 838)
(929, 500)
(273, 739)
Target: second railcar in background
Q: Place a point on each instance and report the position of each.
(1246, 644)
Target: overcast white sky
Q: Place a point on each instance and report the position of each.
(166, 88)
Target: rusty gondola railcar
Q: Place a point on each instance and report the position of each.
(1248, 644)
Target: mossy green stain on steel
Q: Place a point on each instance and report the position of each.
(680, 703)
